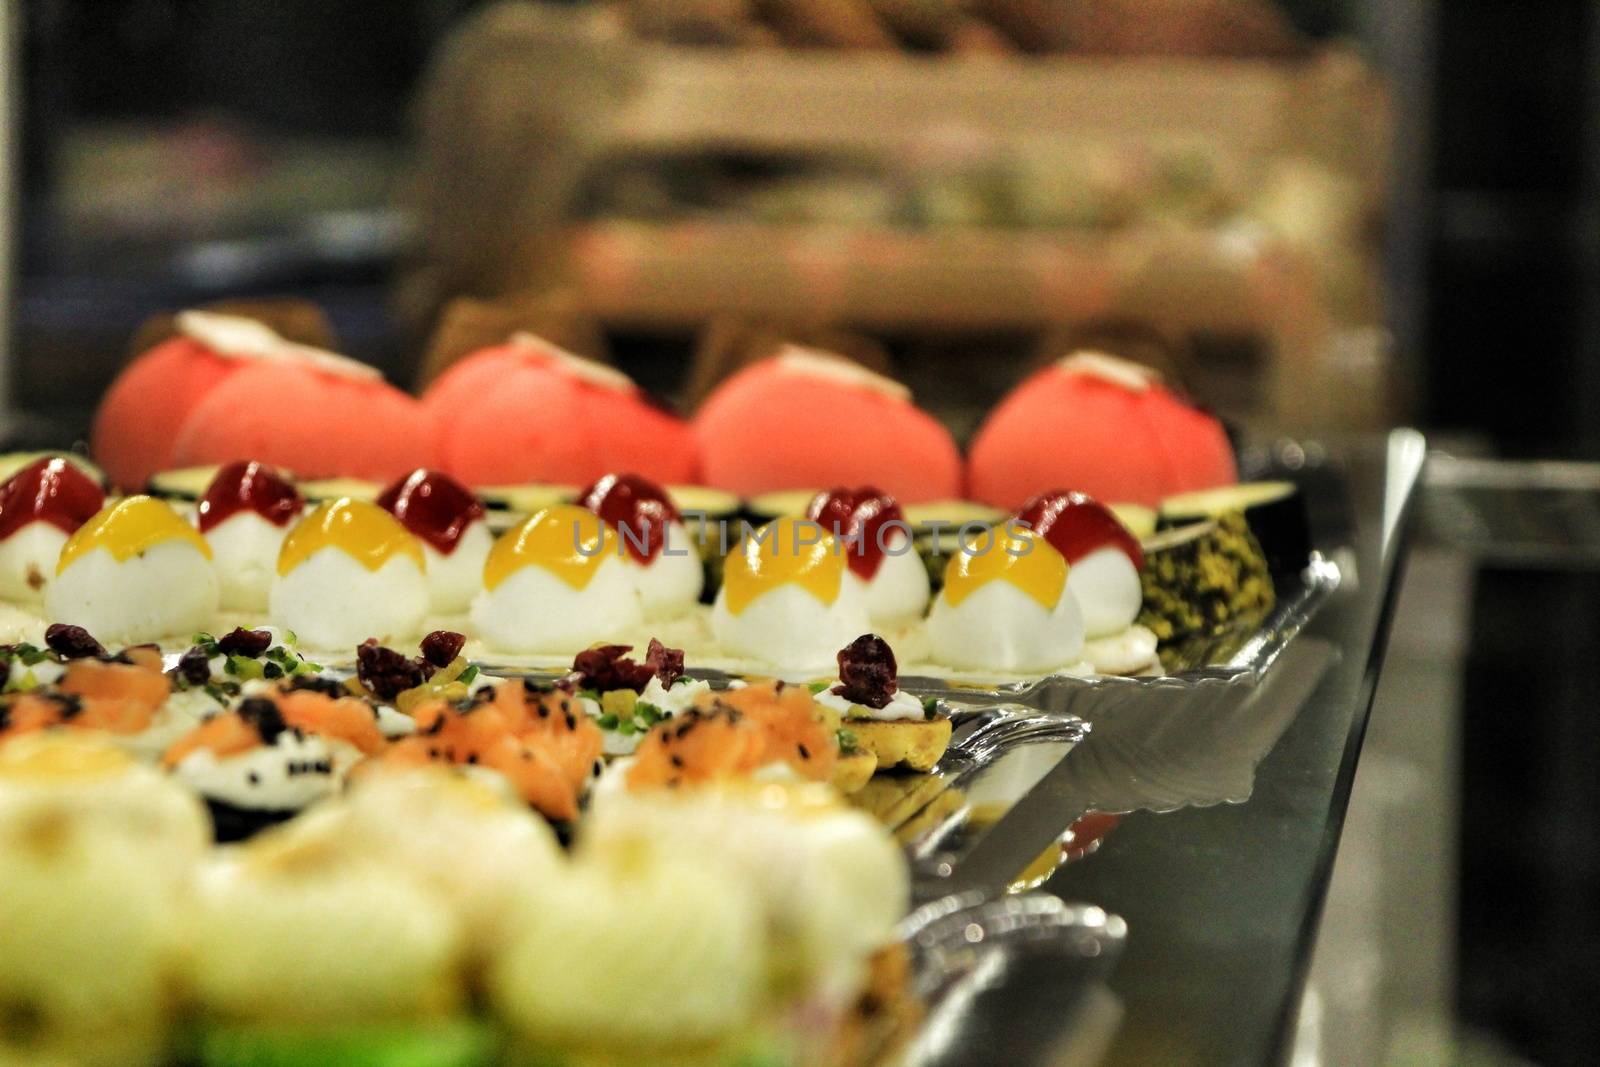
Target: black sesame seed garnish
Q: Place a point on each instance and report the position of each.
(71, 705)
(263, 716)
(316, 683)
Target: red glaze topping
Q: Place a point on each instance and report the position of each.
(49, 490)
(433, 506)
(858, 517)
(249, 486)
(638, 508)
(1077, 524)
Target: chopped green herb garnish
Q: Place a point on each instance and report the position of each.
(930, 707)
(847, 742)
(607, 722)
(244, 667)
(468, 676)
(30, 655)
(817, 687)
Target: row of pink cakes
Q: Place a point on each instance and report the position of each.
(225, 389)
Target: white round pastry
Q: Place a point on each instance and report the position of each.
(468, 841)
(556, 583)
(831, 881)
(670, 584)
(455, 577)
(633, 947)
(1006, 608)
(245, 548)
(28, 562)
(786, 600)
(95, 851)
(1106, 586)
(135, 572)
(349, 571)
(289, 927)
(898, 592)
(334, 603)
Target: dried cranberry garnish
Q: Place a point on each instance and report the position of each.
(666, 662)
(195, 666)
(867, 672)
(385, 671)
(441, 647)
(72, 642)
(606, 667)
(242, 642)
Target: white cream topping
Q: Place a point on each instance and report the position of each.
(588, 370)
(1134, 377)
(394, 723)
(235, 337)
(1131, 650)
(294, 771)
(677, 698)
(814, 363)
(901, 707)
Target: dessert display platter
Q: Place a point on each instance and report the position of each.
(464, 763)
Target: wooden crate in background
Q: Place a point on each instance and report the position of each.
(524, 106)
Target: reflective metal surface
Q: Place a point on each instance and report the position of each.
(1222, 901)
(1016, 980)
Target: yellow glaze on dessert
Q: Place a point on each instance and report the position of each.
(1015, 555)
(364, 532)
(46, 757)
(785, 551)
(129, 527)
(568, 541)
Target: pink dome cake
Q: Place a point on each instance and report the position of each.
(527, 411)
(1103, 426)
(137, 424)
(804, 420)
(321, 418)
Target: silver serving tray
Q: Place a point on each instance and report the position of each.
(1017, 980)
(1237, 660)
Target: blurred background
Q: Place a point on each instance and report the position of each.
(1324, 217)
